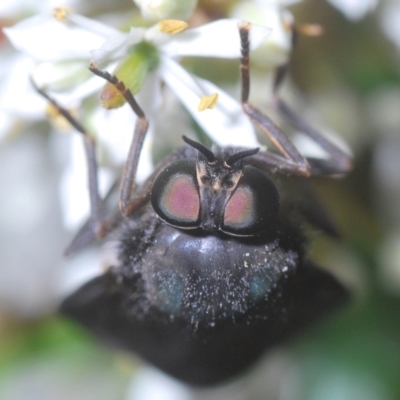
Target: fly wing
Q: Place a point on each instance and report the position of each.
(301, 195)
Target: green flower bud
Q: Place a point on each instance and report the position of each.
(132, 72)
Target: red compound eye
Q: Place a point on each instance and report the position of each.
(175, 196)
(239, 211)
(253, 205)
(180, 199)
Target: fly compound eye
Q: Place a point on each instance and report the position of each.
(175, 195)
(253, 205)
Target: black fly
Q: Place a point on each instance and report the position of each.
(212, 267)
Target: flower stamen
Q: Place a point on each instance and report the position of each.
(172, 26)
(208, 102)
(312, 30)
(60, 13)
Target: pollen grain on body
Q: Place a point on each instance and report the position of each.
(208, 102)
(172, 26)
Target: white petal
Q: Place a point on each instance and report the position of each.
(154, 35)
(166, 9)
(226, 124)
(114, 130)
(152, 384)
(114, 137)
(216, 39)
(87, 88)
(60, 76)
(17, 96)
(116, 127)
(78, 270)
(46, 39)
(6, 124)
(354, 9)
(150, 96)
(117, 45)
(275, 50)
(91, 25)
(74, 194)
(172, 122)
(15, 9)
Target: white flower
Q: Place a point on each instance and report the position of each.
(19, 104)
(55, 43)
(14, 9)
(226, 123)
(49, 40)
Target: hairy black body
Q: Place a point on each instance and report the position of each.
(204, 306)
(212, 266)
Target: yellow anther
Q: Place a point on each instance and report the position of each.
(172, 26)
(60, 14)
(208, 102)
(310, 29)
